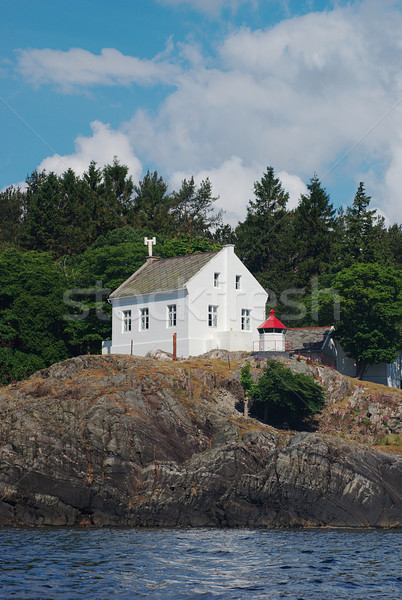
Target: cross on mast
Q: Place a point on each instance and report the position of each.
(149, 242)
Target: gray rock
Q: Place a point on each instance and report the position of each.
(126, 441)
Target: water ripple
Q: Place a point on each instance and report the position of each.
(119, 564)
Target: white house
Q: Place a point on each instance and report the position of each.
(209, 300)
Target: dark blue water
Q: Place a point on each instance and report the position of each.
(191, 564)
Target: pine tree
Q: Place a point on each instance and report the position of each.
(43, 225)
(270, 197)
(364, 234)
(262, 238)
(193, 209)
(119, 187)
(394, 237)
(12, 202)
(151, 205)
(314, 233)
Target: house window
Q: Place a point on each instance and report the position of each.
(212, 316)
(216, 279)
(144, 319)
(245, 319)
(172, 315)
(126, 320)
(237, 282)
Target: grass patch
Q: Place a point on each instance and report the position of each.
(392, 439)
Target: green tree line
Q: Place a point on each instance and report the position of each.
(67, 241)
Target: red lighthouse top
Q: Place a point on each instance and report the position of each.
(271, 323)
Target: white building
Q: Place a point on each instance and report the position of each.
(209, 300)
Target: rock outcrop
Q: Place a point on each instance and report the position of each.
(119, 440)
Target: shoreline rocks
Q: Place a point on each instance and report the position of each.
(128, 441)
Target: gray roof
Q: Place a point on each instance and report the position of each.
(163, 274)
(307, 339)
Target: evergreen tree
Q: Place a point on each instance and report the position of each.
(117, 188)
(364, 234)
(270, 197)
(43, 225)
(394, 238)
(314, 227)
(74, 216)
(183, 244)
(151, 205)
(262, 240)
(94, 198)
(225, 234)
(12, 203)
(193, 211)
(65, 214)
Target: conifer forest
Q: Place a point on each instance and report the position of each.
(67, 241)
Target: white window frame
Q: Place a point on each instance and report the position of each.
(144, 319)
(171, 315)
(246, 319)
(126, 321)
(216, 280)
(212, 315)
(238, 282)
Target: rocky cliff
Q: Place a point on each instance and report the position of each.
(119, 440)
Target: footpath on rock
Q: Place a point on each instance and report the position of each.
(129, 441)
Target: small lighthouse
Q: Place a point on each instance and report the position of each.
(272, 334)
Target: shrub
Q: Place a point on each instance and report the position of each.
(281, 397)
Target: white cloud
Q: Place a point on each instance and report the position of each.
(316, 93)
(102, 146)
(234, 182)
(294, 186)
(299, 96)
(231, 181)
(77, 68)
(390, 196)
(22, 185)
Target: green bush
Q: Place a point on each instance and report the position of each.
(281, 397)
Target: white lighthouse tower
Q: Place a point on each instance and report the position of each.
(272, 335)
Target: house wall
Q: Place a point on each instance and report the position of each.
(159, 336)
(383, 373)
(394, 372)
(230, 301)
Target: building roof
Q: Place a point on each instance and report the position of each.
(307, 339)
(272, 322)
(163, 274)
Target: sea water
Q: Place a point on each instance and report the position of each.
(69, 564)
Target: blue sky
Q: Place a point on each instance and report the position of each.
(210, 88)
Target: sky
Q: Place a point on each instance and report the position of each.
(207, 88)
